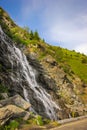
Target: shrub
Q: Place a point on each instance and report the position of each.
(12, 126)
(84, 60)
(3, 88)
(39, 120)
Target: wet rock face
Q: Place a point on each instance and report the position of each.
(21, 77)
(25, 76)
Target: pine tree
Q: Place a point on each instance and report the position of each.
(31, 35)
(36, 36)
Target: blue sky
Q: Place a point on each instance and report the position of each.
(60, 22)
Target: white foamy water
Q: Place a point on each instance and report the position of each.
(26, 71)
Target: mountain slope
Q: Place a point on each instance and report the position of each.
(63, 73)
(70, 61)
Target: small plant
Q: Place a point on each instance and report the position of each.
(12, 126)
(84, 60)
(39, 120)
(46, 121)
(74, 114)
(3, 88)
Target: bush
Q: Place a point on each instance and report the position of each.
(39, 120)
(84, 60)
(12, 126)
(3, 88)
(74, 114)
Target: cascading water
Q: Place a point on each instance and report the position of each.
(24, 76)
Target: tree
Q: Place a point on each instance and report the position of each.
(36, 36)
(31, 35)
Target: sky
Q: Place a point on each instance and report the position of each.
(60, 22)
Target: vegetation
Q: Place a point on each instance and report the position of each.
(13, 125)
(34, 121)
(71, 61)
(3, 88)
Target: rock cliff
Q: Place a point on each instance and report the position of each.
(28, 79)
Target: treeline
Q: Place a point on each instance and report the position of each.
(32, 35)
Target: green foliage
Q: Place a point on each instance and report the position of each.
(39, 120)
(70, 61)
(13, 125)
(46, 121)
(84, 60)
(36, 36)
(66, 68)
(74, 114)
(3, 88)
(31, 35)
(79, 68)
(35, 120)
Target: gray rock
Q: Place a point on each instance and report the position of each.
(16, 100)
(5, 115)
(11, 111)
(4, 95)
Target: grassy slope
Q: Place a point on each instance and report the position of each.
(70, 61)
(78, 63)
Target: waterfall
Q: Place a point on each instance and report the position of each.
(24, 76)
(41, 95)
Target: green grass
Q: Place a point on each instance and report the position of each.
(79, 68)
(70, 61)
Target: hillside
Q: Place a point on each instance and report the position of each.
(70, 61)
(60, 72)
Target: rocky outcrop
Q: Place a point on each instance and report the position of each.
(68, 88)
(11, 111)
(16, 100)
(20, 76)
(5, 115)
(4, 95)
(48, 89)
(13, 107)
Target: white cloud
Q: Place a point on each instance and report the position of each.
(82, 48)
(64, 25)
(62, 22)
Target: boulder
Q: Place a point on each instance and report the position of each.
(49, 59)
(11, 111)
(5, 115)
(4, 95)
(16, 100)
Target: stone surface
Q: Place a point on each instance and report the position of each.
(4, 95)
(5, 115)
(11, 111)
(16, 100)
(20, 76)
(68, 89)
(37, 80)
